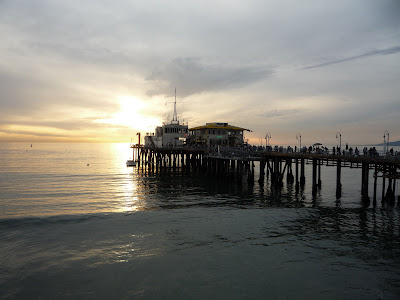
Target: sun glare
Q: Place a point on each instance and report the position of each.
(130, 115)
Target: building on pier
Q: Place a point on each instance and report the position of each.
(215, 133)
(172, 135)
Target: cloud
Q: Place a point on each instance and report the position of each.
(387, 51)
(193, 76)
(34, 133)
(277, 113)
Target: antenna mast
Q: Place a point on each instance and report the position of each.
(175, 116)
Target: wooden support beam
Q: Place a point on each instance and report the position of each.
(250, 174)
(289, 175)
(319, 173)
(302, 176)
(270, 168)
(365, 176)
(394, 188)
(297, 173)
(389, 193)
(362, 178)
(375, 180)
(338, 179)
(383, 185)
(314, 176)
(282, 173)
(262, 172)
(276, 176)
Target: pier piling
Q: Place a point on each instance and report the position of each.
(338, 179)
(302, 176)
(273, 165)
(375, 181)
(314, 176)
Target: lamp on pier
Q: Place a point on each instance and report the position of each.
(385, 145)
(267, 138)
(339, 135)
(298, 137)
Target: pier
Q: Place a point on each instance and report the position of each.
(275, 166)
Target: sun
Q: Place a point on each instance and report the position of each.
(130, 115)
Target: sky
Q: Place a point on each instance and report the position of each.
(101, 71)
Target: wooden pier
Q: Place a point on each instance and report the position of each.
(275, 166)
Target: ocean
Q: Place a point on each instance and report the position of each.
(76, 223)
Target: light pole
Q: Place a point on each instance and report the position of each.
(267, 138)
(386, 145)
(340, 140)
(298, 137)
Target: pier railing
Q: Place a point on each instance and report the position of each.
(256, 152)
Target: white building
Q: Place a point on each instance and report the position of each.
(167, 136)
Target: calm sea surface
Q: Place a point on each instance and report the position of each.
(76, 223)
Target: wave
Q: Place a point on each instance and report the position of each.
(51, 220)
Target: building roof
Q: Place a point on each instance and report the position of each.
(218, 126)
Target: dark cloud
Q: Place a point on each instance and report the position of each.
(283, 113)
(193, 76)
(387, 51)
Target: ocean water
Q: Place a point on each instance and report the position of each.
(76, 223)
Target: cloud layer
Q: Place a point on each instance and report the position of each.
(278, 66)
(392, 50)
(195, 77)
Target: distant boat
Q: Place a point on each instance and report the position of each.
(130, 163)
